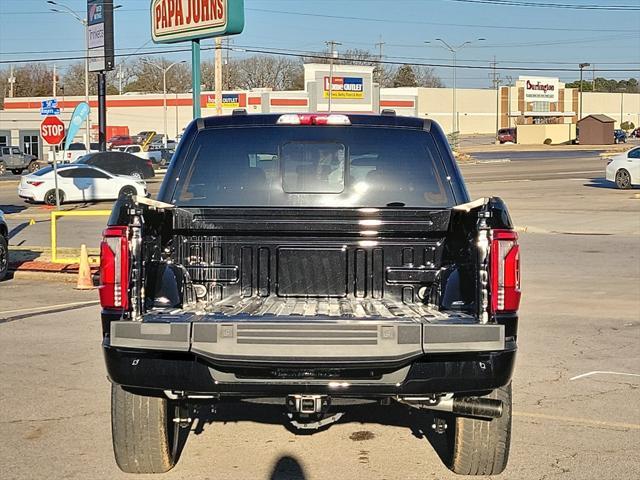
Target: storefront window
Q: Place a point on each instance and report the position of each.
(540, 107)
(30, 145)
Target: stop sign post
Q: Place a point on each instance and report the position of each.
(52, 133)
(52, 130)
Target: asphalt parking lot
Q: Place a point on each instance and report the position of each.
(580, 317)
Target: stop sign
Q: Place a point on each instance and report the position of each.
(52, 130)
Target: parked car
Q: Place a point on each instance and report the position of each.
(118, 141)
(120, 163)
(4, 246)
(507, 135)
(635, 133)
(74, 152)
(158, 142)
(624, 169)
(137, 150)
(312, 261)
(78, 183)
(144, 136)
(13, 159)
(619, 136)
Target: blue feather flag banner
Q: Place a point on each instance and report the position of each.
(80, 114)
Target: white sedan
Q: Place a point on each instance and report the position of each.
(624, 169)
(78, 183)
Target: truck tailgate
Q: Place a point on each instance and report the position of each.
(276, 330)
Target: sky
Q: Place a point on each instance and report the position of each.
(519, 37)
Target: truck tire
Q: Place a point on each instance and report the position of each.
(481, 447)
(33, 167)
(3, 168)
(142, 431)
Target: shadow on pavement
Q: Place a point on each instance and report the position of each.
(419, 422)
(603, 183)
(287, 468)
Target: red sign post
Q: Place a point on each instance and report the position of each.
(52, 130)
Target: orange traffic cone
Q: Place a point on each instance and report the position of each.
(85, 282)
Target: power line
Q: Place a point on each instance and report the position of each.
(420, 22)
(567, 6)
(386, 21)
(317, 56)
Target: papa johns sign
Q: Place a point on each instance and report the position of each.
(180, 20)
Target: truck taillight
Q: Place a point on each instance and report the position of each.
(114, 268)
(505, 271)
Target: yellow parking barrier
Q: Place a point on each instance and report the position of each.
(54, 232)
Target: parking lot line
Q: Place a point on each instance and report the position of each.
(48, 307)
(584, 421)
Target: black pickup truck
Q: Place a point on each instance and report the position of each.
(314, 261)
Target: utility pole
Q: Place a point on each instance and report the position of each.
(496, 81)
(380, 46)
(593, 78)
(227, 73)
(55, 80)
(510, 80)
(332, 54)
(12, 81)
(218, 76)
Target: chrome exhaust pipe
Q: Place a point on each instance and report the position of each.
(465, 406)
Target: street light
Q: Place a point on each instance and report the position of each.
(454, 50)
(582, 66)
(85, 24)
(83, 21)
(164, 91)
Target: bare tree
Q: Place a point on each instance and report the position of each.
(426, 77)
(147, 78)
(267, 71)
(73, 81)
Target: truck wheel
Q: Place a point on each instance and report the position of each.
(4, 257)
(143, 432)
(3, 168)
(623, 179)
(33, 167)
(50, 197)
(16, 171)
(481, 447)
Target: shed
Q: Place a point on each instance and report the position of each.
(596, 130)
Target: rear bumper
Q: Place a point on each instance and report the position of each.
(365, 359)
(466, 373)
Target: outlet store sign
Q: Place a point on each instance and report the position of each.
(540, 89)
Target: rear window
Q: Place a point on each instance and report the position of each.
(312, 166)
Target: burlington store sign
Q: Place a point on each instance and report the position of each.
(540, 89)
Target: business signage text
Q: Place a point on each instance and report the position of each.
(229, 100)
(179, 20)
(540, 89)
(100, 33)
(344, 87)
(49, 107)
